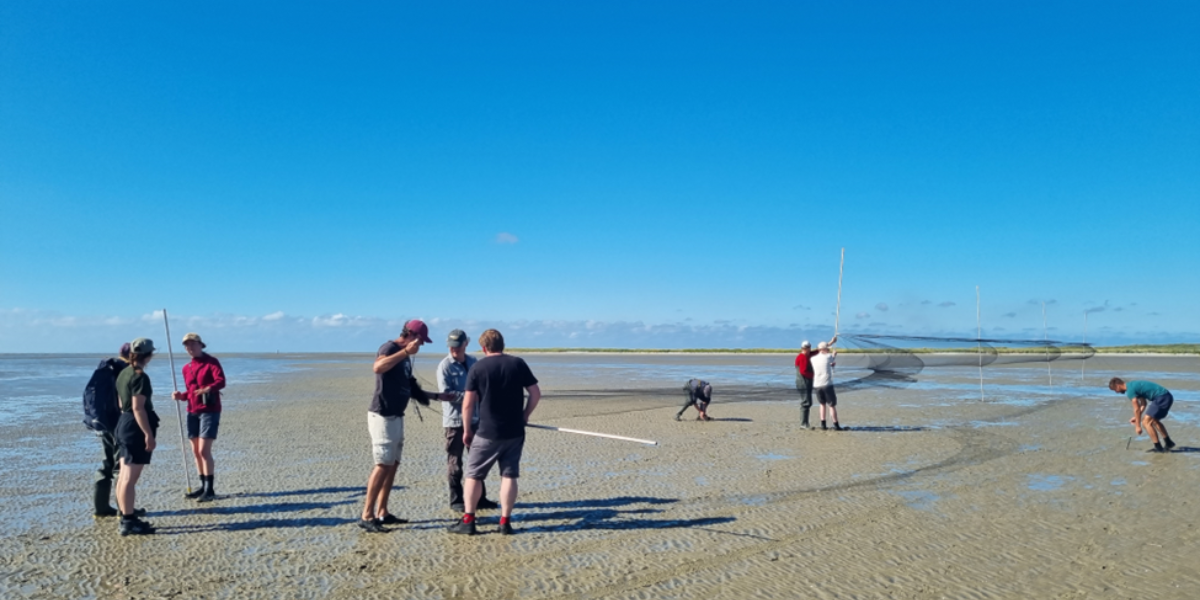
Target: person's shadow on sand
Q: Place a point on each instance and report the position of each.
(1185, 449)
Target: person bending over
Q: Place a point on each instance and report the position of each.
(204, 380)
(699, 394)
(496, 387)
(1151, 403)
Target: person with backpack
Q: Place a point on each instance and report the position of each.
(204, 380)
(699, 394)
(135, 432)
(101, 411)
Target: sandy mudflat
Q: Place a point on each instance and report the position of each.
(1030, 493)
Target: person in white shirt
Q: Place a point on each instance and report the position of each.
(822, 366)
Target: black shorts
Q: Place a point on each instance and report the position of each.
(825, 395)
(1159, 406)
(132, 440)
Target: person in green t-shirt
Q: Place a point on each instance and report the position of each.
(1151, 403)
(135, 432)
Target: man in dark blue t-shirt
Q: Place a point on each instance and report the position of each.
(496, 388)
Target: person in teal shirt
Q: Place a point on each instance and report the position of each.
(1151, 403)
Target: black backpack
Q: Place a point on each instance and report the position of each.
(100, 406)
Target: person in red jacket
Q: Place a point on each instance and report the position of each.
(804, 379)
(204, 379)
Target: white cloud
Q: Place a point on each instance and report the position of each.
(506, 238)
(275, 316)
(882, 307)
(862, 315)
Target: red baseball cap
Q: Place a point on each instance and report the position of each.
(418, 328)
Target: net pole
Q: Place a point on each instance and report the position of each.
(837, 315)
(1046, 338)
(1083, 363)
(178, 412)
(979, 341)
(593, 434)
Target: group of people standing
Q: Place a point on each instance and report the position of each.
(814, 376)
(119, 408)
(484, 413)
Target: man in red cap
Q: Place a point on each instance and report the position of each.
(394, 386)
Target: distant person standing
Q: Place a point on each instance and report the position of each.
(804, 379)
(394, 386)
(699, 394)
(822, 366)
(1151, 403)
(136, 430)
(101, 411)
(204, 379)
(496, 388)
(452, 378)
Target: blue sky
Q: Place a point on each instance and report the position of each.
(626, 174)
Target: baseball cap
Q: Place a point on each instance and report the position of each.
(822, 346)
(457, 338)
(418, 328)
(805, 344)
(194, 337)
(142, 346)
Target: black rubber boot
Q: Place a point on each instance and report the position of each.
(207, 495)
(100, 496)
(804, 418)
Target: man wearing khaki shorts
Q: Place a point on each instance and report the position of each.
(496, 387)
(394, 386)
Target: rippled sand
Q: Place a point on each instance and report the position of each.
(935, 495)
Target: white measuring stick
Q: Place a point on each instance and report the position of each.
(594, 434)
(837, 316)
(178, 412)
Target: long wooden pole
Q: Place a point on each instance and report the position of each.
(838, 314)
(593, 434)
(979, 340)
(178, 412)
(1046, 337)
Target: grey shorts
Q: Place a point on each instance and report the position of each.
(825, 395)
(203, 425)
(1158, 407)
(484, 453)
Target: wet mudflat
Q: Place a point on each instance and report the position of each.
(1029, 492)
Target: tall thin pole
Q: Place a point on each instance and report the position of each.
(838, 314)
(979, 340)
(1083, 361)
(1046, 337)
(178, 412)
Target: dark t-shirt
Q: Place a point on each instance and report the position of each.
(130, 383)
(500, 380)
(392, 389)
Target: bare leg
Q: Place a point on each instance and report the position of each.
(472, 490)
(385, 491)
(1160, 428)
(821, 411)
(130, 473)
(375, 482)
(1148, 424)
(197, 455)
(205, 460)
(833, 413)
(508, 495)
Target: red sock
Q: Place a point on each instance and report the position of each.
(504, 520)
(469, 518)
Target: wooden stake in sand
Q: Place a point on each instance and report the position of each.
(838, 314)
(593, 434)
(979, 341)
(1046, 337)
(178, 412)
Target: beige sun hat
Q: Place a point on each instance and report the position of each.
(194, 337)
